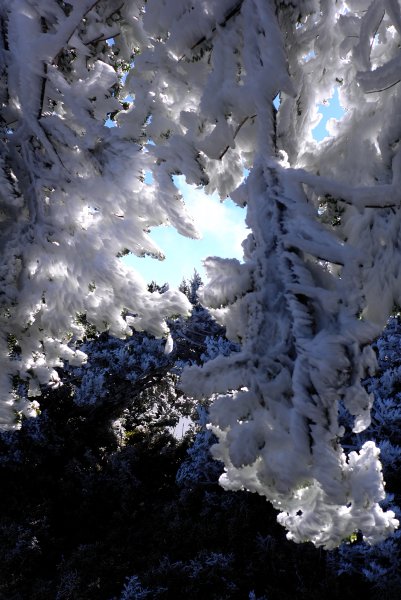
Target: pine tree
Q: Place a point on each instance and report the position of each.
(100, 503)
(321, 263)
(73, 196)
(380, 565)
(304, 304)
(84, 476)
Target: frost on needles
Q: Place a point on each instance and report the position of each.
(73, 197)
(321, 263)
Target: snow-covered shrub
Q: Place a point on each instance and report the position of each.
(321, 263)
(380, 565)
(133, 590)
(199, 468)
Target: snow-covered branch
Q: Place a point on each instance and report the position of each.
(64, 178)
(321, 263)
(305, 302)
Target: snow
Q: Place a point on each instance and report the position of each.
(74, 198)
(308, 276)
(321, 262)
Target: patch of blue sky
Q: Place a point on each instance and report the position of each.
(221, 225)
(110, 123)
(331, 109)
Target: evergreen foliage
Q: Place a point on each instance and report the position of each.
(101, 502)
(190, 88)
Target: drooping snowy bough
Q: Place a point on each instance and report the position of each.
(321, 269)
(321, 264)
(72, 191)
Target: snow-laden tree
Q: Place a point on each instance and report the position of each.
(321, 266)
(72, 191)
(380, 565)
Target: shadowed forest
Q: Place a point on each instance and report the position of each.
(110, 492)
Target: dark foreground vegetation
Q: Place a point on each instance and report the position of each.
(101, 499)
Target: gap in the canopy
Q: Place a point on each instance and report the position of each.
(331, 111)
(221, 225)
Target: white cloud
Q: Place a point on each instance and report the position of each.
(222, 222)
(222, 228)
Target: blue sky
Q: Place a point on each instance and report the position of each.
(221, 224)
(329, 110)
